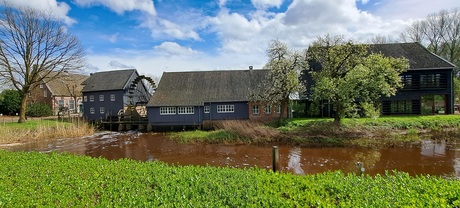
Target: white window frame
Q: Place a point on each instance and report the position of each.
(206, 109)
(167, 110)
(45, 93)
(112, 97)
(278, 109)
(101, 110)
(41, 86)
(91, 110)
(185, 110)
(85, 98)
(225, 108)
(268, 109)
(101, 98)
(255, 110)
(61, 103)
(71, 104)
(91, 98)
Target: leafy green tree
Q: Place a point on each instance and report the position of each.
(284, 67)
(10, 101)
(348, 76)
(34, 44)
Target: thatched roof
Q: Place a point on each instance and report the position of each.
(65, 83)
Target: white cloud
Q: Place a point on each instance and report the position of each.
(266, 3)
(174, 49)
(243, 38)
(59, 9)
(121, 6)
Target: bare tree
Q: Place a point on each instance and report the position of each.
(32, 45)
(440, 33)
(380, 39)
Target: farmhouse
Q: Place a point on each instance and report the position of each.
(110, 93)
(61, 90)
(191, 98)
(428, 83)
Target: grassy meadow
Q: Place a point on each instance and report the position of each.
(31, 179)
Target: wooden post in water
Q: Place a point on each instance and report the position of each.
(275, 158)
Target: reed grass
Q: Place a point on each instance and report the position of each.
(39, 130)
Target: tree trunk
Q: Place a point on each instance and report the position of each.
(337, 119)
(23, 108)
(283, 105)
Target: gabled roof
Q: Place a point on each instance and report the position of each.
(108, 80)
(195, 88)
(419, 57)
(65, 84)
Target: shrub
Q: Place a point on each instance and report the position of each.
(38, 110)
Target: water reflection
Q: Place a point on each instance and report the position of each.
(294, 163)
(431, 158)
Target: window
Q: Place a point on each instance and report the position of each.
(401, 106)
(185, 110)
(407, 81)
(61, 103)
(430, 80)
(91, 98)
(91, 110)
(278, 109)
(225, 108)
(41, 86)
(268, 109)
(45, 93)
(101, 97)
(255, 109)
(71, 104)
(112, 97)
(206, 109)
(167, 110)
(101, 110)
(85, 98)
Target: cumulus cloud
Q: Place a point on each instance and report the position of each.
(59, 9)
(121, 6)
(174, 49)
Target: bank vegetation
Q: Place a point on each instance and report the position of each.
(308, 132)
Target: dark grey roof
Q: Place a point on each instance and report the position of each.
(108, 80)
(419, 57)
(195, 88)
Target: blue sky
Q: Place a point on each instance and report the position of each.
(184, 35)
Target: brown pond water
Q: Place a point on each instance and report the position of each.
(431, 158)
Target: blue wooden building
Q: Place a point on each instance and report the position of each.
(109, 93)
(191, 98)
(428, 83)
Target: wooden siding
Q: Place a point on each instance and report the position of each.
(197, 118)
(111, 108)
